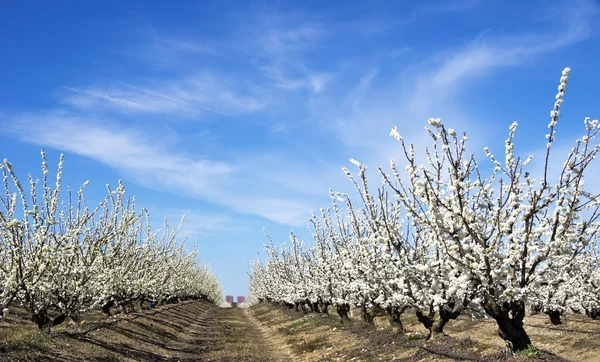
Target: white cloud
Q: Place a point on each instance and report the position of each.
(196, 223)
(191, 95)
(357, 106)
(433, 88)
(146, 160)
(278, 43)
(167, 51)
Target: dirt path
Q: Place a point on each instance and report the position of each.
(195, 331)
(274, 340)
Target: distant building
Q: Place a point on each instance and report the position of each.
(241, 299)
(229, 299)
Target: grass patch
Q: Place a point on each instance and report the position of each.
(25, 339)
(298, 323)
(415, 336)
(530, 352)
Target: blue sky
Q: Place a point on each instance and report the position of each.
(240, 114)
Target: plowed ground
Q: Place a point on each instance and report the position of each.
(193, 331)
(200, 331)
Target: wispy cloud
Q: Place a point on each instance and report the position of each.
(350, 109)
(440, 84)
(160, 49)
(306, 79)
(278, 45)
(123, 148)
(445, 7)
(188, 96)
(362, 116)
(144, 159)
(196, 223)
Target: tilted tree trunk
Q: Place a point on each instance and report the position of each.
(42, 319)
(509, 317)
(342, 311)
(325, 307)
(127, 307)
(394, 314)
(554, 316)
(575, 310)
(593, 313)
(436, 326)
(366, 316)
(106, 308)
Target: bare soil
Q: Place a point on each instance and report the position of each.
(200, 331)
(193, 331)
(317, 337)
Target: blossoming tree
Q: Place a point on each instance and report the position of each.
(458, 237)
(63, 258)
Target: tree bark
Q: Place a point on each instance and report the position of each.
(428, 321)
(394, 318)
(536, 309)
(509, 317)
(436, 326)
(593, 313)
(106, 308)
(43, 321)
(342, 311)
(366, 316)
(554, 317)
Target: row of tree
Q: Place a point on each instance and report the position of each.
(59, 257)
(451, 237)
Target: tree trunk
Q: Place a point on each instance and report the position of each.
(427, 322)
(43, 321)
(59, 319)
(366, 316)
(436, 326)
(394, 318)
(127, 307)
(315, 307)
(593, 313)
(106, 308)
(40, 318)
(325, 308)
(342, 311)
(509, 328)
(536, 309)
(554, 317)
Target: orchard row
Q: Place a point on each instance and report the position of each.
(59, 257)
(450, 237)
